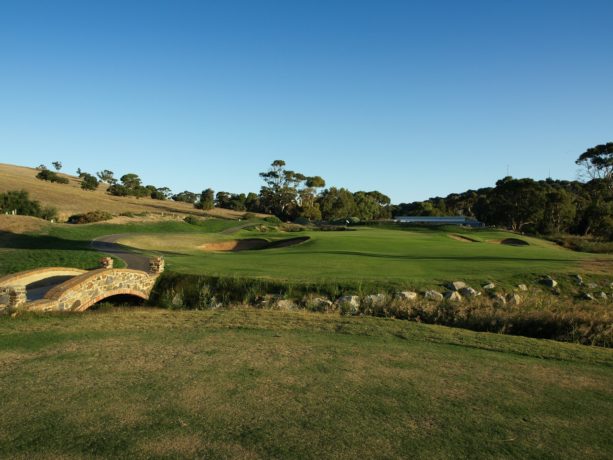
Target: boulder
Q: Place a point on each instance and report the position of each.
(285, 304)
(514, 299)
(374, 300)
(522, 287)
(602, 295)
(433, 295)
(587, 296)
(549, 282)
(406, 295)
(319, 304)
(457, 285)
(453, 296)
(499, 300)
(469, 292)
(349, 304)
(489, 286)
(578, 279)
(592, 286)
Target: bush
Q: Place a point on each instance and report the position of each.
(118, 190)
(272, 220)
(19, 202)
(89, 217)
(302, 221)
(249, 215)
(89, 182)
(51, 176)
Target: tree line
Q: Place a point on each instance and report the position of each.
(546, 206)
(524, 205)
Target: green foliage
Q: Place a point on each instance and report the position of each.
(186, 197)
(118, 190)
(598, 162)
(51, 176)
(89, 217)
(337, 204)
(273, 220)
(285, 192)
(18, 201)
(107, 176)
(57, 165)
(207, 200)
(544, 207)
(88, 181)
(159, 193)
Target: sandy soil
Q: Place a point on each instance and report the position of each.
(250, 244)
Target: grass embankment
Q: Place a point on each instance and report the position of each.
(261, 384)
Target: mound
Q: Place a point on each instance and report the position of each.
(21, 224)
(462, 238)
(251, 244)
(514, 242)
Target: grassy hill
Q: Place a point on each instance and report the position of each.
(265, 384)
(70, 199)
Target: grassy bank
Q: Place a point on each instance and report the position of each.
(261, 384)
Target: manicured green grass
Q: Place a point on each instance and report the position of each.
(266, 384)
(393, 256)
(69, 245)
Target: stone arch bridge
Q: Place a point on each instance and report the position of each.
(71, 289)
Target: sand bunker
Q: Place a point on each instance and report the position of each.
(511, 242)
(462, 238)
(251, 244)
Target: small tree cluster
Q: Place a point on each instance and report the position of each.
(19, 202)
(51, 176)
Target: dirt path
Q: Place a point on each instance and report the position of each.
(108, 245)
(232, 230)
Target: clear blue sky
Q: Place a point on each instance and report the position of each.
(412, 98)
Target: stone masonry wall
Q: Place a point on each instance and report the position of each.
(81, 292)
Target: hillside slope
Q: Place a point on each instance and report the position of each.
(70, 199)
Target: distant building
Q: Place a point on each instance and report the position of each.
(439, 220)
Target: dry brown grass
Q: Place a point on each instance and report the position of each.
(21, 224)
(70, 199)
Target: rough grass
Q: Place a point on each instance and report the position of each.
(255, 384)
(70, 199)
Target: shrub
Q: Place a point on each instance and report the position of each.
(89, 182)
(249, 215)
(272, 220)
(19, 202)
(51, 176)
(302, 221)
(118, 190)
(89, 217)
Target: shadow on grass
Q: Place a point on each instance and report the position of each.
(410, 257)
(10, 240)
